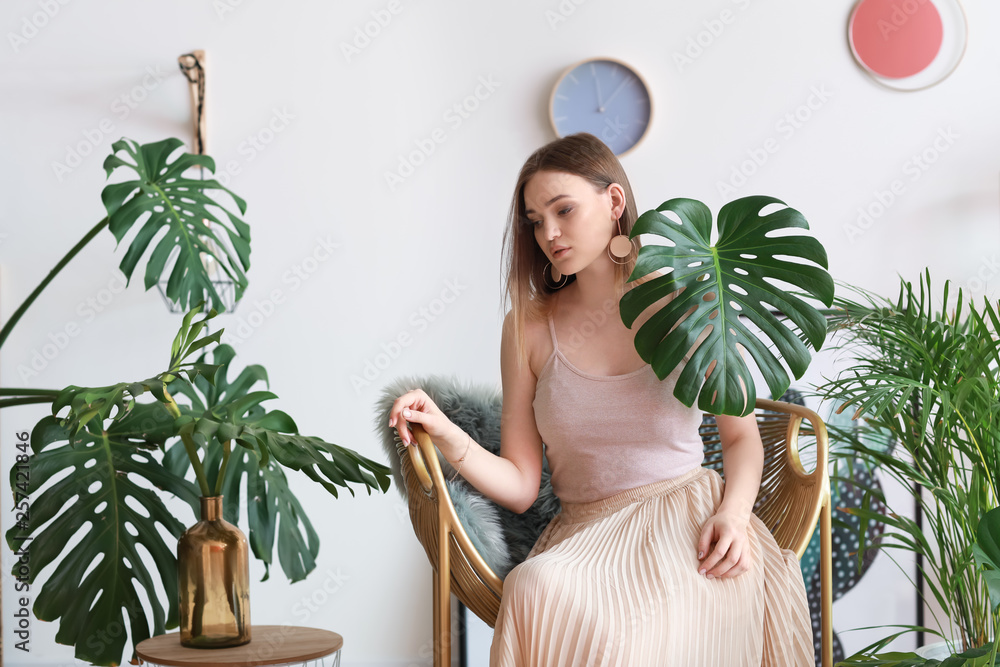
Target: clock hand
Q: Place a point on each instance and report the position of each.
(597, 83)
(618, 90)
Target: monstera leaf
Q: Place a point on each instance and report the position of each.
(180, 216)
(269, 501)
(719, 284)
(99, 585)
(116, 450)
(269, 498)
(117, 400)
(238, 418)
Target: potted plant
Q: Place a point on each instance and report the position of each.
(931, 379)
(122, 449)
(986, 550)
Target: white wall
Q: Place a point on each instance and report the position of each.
(322, 177)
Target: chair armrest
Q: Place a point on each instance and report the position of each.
(424, 455)
(419, 454)
(792, 498)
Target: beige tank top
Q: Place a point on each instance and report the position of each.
(609, 433)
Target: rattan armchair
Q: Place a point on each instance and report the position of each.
(790, 502)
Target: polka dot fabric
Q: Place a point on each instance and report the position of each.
(844, 493)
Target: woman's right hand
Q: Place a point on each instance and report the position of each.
(416, 406)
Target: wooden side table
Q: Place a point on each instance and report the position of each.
(269, 645)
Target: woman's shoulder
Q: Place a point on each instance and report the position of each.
(655, 306)
(537, 341)
(535, 316)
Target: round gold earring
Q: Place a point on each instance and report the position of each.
(621, 246)
(556, 282)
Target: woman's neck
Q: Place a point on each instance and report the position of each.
(596, 285)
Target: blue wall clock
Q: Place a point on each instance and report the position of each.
(604, 97)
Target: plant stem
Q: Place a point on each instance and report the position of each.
(989, 478)
(199, 471)
(171, 404)
(5, 331)
(996, 641)
(189, 445)
(17, 391)
(226, 446)
(25, 400)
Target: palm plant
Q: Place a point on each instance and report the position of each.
(932, 380)
(986, 550)
(122, 450)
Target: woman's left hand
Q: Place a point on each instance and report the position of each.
(727, 531)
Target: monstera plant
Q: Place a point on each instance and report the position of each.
(126, 445)
(719, 284)
(177, 205)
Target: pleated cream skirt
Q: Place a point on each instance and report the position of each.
(615, 582)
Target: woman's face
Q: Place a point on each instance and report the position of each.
(573, 221)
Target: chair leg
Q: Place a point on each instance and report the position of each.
(442, 601)
(442, 624)
(826, 584)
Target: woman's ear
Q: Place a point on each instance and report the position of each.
(617, 194)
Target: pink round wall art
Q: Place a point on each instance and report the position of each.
(907, 44)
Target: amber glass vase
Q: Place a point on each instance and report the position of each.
(213, 571)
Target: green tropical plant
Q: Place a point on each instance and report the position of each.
(932, 380)
(720, 283)
(122, 450)
(986, 550)
(176, 204)
(870, 657)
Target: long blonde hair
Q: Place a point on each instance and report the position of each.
(583, 155)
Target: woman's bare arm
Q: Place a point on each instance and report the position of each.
(742, 461)
(511, 479)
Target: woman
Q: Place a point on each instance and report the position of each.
(652, 560)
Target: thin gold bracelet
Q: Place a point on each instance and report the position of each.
(461, 461)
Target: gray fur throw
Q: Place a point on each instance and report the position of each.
(502, 537)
